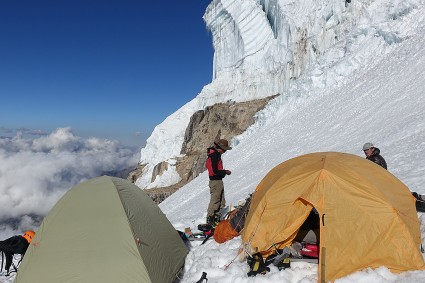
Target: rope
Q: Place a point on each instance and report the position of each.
(249, 242)
(227, 265)
(256, 227)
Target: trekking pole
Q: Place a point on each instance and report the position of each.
(206, 239)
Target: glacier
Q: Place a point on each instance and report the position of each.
(287, 47)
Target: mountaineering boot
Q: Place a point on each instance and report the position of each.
(213, 220)
(256, 265)
(216, 219)
(210, 220)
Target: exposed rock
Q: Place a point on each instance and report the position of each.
(160, 194)
(159, 169)
(123, 173)
(133, 175)
(222, 120)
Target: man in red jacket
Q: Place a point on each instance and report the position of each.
(216, 173)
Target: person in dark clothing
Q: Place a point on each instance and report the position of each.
(373, 154)
(15, 245)
(216, 173)
(420, 202)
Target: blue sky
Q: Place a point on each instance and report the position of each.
(105, 68)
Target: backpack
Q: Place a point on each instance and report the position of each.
(9, 247)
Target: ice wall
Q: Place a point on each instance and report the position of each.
(268, 47)
(261, 46)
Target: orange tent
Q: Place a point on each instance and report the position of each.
(367, 216)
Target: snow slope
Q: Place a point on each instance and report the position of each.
(368, 87)
(383, 103)
(295, 48)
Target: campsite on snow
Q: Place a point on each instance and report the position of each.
(331, 82)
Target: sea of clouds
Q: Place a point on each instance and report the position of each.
(36, 171)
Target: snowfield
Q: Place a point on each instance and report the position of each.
(370, 87)
(383, 103)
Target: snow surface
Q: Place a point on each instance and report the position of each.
(295, 48)
(367, 87)
(383, 103)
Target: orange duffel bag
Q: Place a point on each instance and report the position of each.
(224, 232)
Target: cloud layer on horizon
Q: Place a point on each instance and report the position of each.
(35, 173)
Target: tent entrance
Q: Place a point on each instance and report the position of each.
(309, 231)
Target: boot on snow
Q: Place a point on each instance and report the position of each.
(213, 220)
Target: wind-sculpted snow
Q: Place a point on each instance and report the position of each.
(287, 47)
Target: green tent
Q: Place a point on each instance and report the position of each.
(104, 230)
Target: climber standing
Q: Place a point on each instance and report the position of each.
(216, 173)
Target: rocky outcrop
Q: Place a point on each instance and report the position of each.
(222, 120)
(133, 175)
(159, 169)
(160, 194)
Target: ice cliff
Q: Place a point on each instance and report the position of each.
(268, 47)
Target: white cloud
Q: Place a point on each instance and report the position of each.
(35, 173)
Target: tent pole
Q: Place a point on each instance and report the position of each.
(322, 265)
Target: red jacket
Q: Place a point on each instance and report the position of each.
(214, 164)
